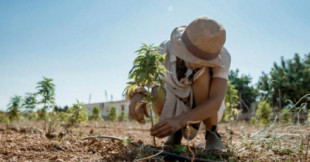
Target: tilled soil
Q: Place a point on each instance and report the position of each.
(27, 141)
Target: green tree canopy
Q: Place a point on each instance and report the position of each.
(242, 83)
(289, 80)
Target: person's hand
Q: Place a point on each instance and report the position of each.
(166, 127)
(137, 109)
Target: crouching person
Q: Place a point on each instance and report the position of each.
(195, 85)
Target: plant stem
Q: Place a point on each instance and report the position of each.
(151, 115)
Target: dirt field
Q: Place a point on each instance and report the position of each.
(27, 141)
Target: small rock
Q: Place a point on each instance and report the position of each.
(14, 158)
(59, 160)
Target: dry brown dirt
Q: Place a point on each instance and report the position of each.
(27, 141)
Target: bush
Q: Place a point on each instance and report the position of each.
(264, 112)
(33, 116)
(231, 102)
(52, 122)
(123, 116)
(14, 108)
(253, 120)
(4, 119)
(42, 114)
(63, 116)
(76, 115)
(112, 114)
(96, 115)
(286, 116)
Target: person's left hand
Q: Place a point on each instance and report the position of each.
(166, 127)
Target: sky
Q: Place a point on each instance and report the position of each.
(88, 47)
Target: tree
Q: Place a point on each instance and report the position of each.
(30, 102)
(247, 93)
(289, 80)
(14, 107)
(96, 114)
(113, 114)
(46, 88)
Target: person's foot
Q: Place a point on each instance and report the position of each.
(213, 140)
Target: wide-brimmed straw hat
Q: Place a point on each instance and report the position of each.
(200, 42)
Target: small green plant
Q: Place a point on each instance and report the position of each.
(4, 119)
(52, 122)
(77, 115)
(14, 108)
(46, 88)
(179, 149)
(123, 116)
(253, 120)
(30, 102)
(126, 141)
(63, 116)
(231, 102)
(42, 114)
(96, 114)
(264, 112)
(147, 72)
(113, 114)
(286, 116)
(33, 116)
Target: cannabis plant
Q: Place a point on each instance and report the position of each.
(147, 71)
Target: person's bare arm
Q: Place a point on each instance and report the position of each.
(201, 112)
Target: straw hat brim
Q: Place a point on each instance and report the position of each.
(178, 48)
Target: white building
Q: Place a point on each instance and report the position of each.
(122, 105)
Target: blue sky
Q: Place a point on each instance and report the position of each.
(88, 47)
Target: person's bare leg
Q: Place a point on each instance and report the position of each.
(201, 90)
(212, 121)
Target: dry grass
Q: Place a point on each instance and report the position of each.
(27, 141)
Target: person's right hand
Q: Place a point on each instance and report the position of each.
(137, 109)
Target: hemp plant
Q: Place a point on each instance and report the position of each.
(147, 72)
